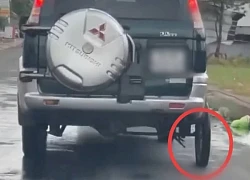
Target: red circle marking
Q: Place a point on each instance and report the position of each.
(170, 147)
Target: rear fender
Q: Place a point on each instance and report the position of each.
(24, 87)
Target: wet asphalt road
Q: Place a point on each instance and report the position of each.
(81, 154)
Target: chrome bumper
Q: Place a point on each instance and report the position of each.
(34, 100)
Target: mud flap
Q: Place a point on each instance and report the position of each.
(187, 130)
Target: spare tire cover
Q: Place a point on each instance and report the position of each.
(87, 50)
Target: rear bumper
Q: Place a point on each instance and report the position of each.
(150, 104)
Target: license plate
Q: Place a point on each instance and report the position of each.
(167, 61)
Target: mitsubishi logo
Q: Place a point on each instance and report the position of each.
(99, 31)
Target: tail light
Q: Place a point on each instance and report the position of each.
(176, 106)
(200, 59)
(35, 12)
(196, 16)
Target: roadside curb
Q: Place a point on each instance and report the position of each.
(238, 106)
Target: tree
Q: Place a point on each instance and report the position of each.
(217, 9)
(21, 7)
(3, 22)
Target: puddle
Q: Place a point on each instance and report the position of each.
(8, 95)
(241, 136)
(243, 139)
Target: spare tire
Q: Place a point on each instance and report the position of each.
(87, 50)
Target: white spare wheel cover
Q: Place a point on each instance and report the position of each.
(87, 50)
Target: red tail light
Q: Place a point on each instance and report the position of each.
(176, 106)
(196, 15)
(35, 12)
(39, 3)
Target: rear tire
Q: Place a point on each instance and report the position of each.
(34, 136)
(203, 141)
(162, 136)
(21, 35)
(34, 139)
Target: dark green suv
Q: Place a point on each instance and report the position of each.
(111, 65)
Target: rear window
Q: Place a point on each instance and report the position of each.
(131, 9)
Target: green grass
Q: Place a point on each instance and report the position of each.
(230, 76)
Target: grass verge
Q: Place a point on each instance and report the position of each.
(229, 76)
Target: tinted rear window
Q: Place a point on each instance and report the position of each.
(134, 9)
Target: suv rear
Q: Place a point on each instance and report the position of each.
(164, 74)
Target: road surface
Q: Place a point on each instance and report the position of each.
(82, 154)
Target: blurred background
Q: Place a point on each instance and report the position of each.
(227, 24)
